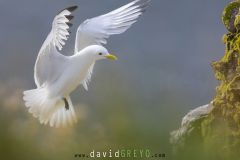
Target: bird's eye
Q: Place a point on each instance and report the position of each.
(100, 54)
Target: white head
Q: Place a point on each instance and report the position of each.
(98, 52)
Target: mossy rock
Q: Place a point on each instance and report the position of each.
(216, 134)
(229, 16)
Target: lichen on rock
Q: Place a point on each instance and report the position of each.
(190, 126)
(229, 16)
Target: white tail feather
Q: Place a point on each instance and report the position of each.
(48, 110)
(63, 117)
(34, 100)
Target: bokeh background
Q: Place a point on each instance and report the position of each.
(163, 71)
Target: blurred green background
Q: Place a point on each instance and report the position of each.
(163, 71)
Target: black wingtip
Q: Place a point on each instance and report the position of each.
(69, 24)
(69, 17)
(72, 8)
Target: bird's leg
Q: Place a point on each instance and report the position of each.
(66, 103)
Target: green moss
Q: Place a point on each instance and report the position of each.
(229, 15)
(217, 135)
(222, 127)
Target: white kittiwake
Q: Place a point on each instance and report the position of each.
(56, 75)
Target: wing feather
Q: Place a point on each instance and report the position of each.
(88, 77)
(49, 61)
(95, 31)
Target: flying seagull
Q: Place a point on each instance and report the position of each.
(56, 75)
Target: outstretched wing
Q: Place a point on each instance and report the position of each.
(49, 61)
(97, 30)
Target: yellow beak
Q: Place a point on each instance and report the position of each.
(111, 57)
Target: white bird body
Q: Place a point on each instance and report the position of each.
(71, 78)
(56, 75)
